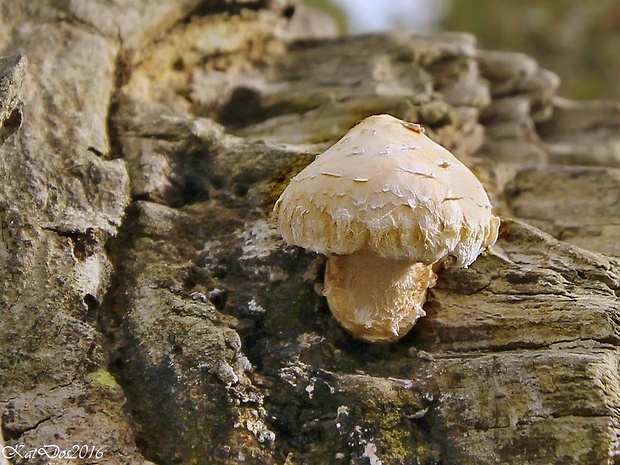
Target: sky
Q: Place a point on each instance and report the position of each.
(380, 15)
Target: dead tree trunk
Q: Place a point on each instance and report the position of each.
(150, 313)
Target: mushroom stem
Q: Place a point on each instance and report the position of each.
(376, 299)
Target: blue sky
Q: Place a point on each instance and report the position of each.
(381, 15)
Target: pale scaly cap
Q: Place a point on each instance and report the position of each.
(387, 188)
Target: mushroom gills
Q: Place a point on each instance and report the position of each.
(376, 299)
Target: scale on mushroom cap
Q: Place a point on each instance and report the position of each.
(385, 203)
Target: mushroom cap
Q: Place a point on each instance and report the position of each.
(387, 188)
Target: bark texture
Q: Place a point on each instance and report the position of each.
(149, 309)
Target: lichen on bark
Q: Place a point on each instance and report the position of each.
(149, 307)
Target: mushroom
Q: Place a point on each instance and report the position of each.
(387, 206)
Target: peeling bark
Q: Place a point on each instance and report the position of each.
(149, 308)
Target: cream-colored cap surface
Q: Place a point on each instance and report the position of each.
(386, 188)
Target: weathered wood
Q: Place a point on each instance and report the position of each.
(149, 308)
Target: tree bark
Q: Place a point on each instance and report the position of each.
(150, 311)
